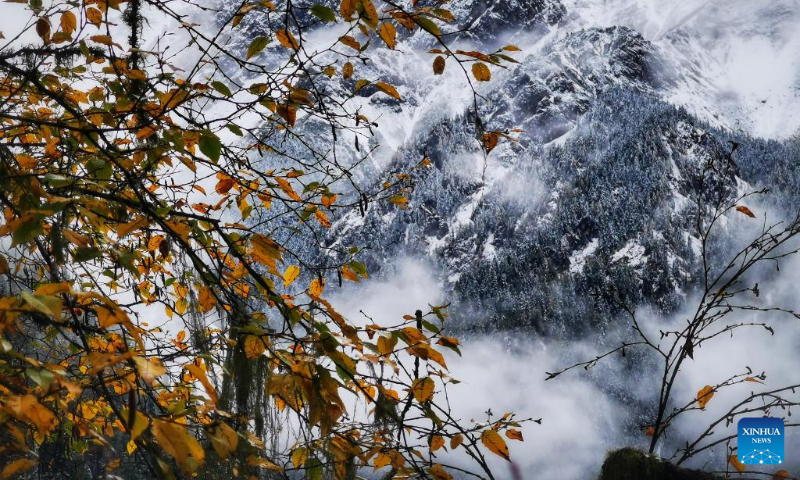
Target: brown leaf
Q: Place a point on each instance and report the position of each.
(438, 65)
(347, 70)
(514, 434)
(43, 29)
(481, 72)
(351, 42)
(746, 211)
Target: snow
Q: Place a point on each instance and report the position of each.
(736, 62)
(632, 253)
(578, 258)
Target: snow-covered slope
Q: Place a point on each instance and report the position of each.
(734, 62)
(620, 104)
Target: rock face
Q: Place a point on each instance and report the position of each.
(632, 464)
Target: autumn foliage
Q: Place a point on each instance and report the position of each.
(150, 308)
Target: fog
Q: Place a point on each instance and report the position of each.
(587, 414)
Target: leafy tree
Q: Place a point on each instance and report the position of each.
(149, 183)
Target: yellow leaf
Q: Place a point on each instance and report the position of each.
(254, 346)
(456, 441)
(734, 461)
(495, 443)
(299, 457)
(745, 211)
(28, 409)
(439, 472)
(53, 288)
(413, 336)
(262, 462)
(381, 460)
(317, 287)
(481, 72)
(286, 39)
(514, 434)
(150, 369)
(422, 388)
(386, 344)
(200, 375)
(704, 395)
(290, 275)
(389, 34)
(752, 379)
(140, 423)
(223, 438)
(178, 443)
(17, 466)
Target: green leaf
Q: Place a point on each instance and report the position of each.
(222, 88)
(235, 130)
(313, 468)
(210, 146)
(85, 254)
(323, 13)
(428, 25)
(27, 231)
(256, 46)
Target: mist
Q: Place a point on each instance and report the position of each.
(586, 414)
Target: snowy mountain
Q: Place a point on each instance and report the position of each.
(620, 104)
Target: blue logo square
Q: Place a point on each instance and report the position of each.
(760, 441)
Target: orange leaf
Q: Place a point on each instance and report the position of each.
(704, 395)
(286, 39)
(495, 443)
(734, 461)
(514, 435)
(389, 34)
(437, 442)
